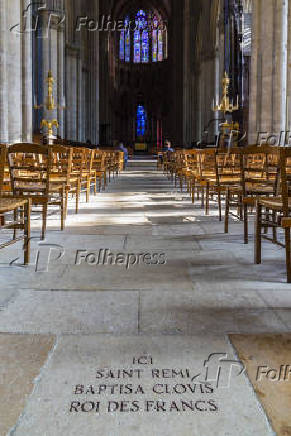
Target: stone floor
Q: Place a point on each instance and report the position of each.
(142, 282)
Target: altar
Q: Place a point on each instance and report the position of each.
(140, 146)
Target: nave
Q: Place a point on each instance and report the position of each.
(63, 320)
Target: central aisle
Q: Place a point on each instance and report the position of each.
(139, 281)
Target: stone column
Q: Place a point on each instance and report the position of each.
(27, 100)
(3, 74)
(268, 71)
(186, 76)
(15, 72)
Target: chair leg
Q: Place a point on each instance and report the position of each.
(88, 185)
(288, 253)
(258, 235)
(241, 209)
(226, 215)
(207, 200)
(193, 191)
(15, 217)
(78, 193)
(63, 208)
(202, 198)
(274, 228)
(66, 203)
(246, 224)
(44, 220)
(27, 210)
(266, 228)
(219, 205)
(95, 185)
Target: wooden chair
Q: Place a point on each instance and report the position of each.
(82, 170)
(99, 168)
(280, 209)
(61, 170)
(21, 208)
(258, 177)
(206, 177)
(30, 170)
(4, 171)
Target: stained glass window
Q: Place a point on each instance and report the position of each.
(145, 46)
(141, 120)
(121, 45)
(141, 20)
(136, 46)
(146, 28)
(124, 42)
(127, 40)
(127, 46)
(160, 46)
(155, 39)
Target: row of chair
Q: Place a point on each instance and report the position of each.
(247, 179)
(46, 175)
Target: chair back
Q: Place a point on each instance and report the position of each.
(30, 166)
(207, 163)
(2, 166)
(260, 168)
(285, 172)
(98, 161)
(228, 166)
(61, 162)
(79, 161)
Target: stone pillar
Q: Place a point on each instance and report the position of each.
(3, 74)
(268, 70)
(186, 76)
(27, 100)
(288, 78)
(15, 72)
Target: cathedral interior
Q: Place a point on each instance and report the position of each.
(145, 217)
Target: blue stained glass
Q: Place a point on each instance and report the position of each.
(160, 46)
(121, 46)
(155, 45)
(145, 46)
(127, 46)
(136, 46)
(141, 120)
(141, 20)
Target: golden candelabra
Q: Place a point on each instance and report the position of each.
(226, 105)
(228, 128)
(50, 106)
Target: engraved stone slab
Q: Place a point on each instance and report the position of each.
(130, 386)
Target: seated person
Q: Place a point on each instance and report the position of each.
(168, 147)
(125, 151)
